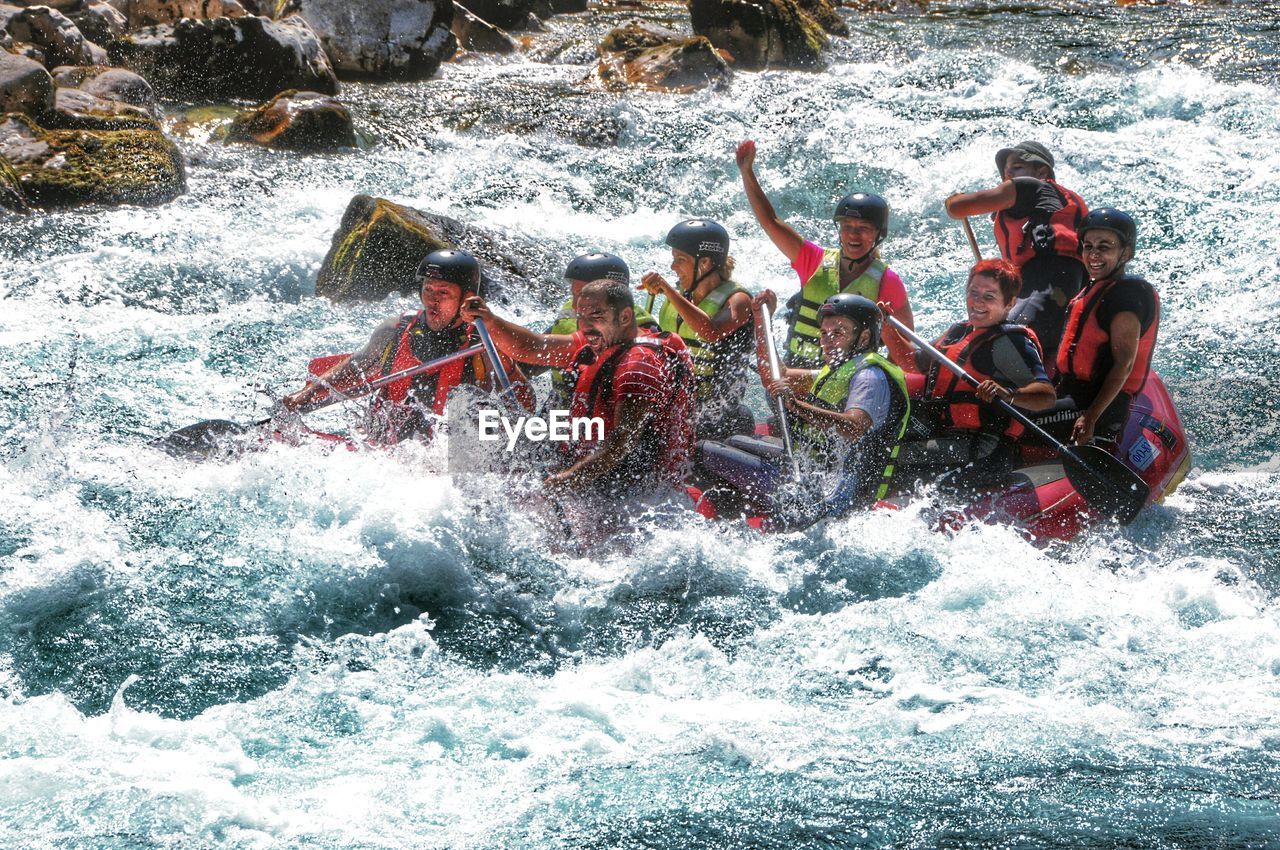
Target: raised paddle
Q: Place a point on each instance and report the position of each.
(203, 437)
(973, 240)
(1110, 487)
(775, 369)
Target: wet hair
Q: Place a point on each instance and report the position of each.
(1005, 274)
(617, 295)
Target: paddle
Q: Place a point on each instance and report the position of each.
(973, 240)
(1110, 487)
(491, 354)
(775, 369)
(204, 437)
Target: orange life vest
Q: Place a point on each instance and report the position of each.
(953, 401)
(1021, 239)
(1085, 351)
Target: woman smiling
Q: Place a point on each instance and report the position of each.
(968, 441)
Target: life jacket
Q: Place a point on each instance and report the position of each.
(399, 410)
(594, 397)
(720, 368)
(566, 324)
(1084, 355)
(803, 349)
(434, 385)
(1021, 239)
(952, 401)
(876, 452)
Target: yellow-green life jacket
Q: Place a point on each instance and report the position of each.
(720, 368)
(803, 350)
(877, 452)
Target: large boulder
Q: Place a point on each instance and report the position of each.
(25, 86)
(109, 83)
(507, 14)
(12, 197)
(56, 36)
(382, 39)
(100, 22)
(479, 36)
(379, 244)
(761, 33)
(305, 121)
(62, 168)
(641, 54)
(249, 57)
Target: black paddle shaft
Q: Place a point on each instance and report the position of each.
(1104, 482)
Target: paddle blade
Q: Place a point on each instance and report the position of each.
(203, 439)
(1110, 487)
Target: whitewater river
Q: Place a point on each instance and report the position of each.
(312, 648)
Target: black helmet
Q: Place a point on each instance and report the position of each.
(596, 265)
(452, 267)
(701, 237)
(863, 311)
(864, 205)
(1110, 218)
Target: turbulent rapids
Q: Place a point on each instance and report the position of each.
(306, 646)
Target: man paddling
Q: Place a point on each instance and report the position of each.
(410, 407)
(640, 384)
(849, 417)
(1036, 221)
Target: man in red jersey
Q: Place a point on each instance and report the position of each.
(640, 383)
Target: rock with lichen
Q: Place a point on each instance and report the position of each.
(653, 57)
(307, 122)
(67, 168)
(761, 34)
(379, 244)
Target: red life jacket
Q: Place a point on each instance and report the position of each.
(955, 403)
(1018, 238)
(1085, 352)
(471, 370)
(667, 443)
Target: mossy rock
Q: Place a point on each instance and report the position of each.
(12, 197)
(761, 34)
(376, 251)
(66, 168)
(636, 36)
(824, 14)
(379, 245)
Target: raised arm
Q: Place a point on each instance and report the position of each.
(779, 232)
